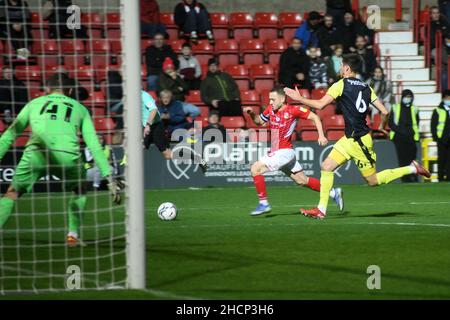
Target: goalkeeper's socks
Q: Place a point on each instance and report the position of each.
(260, 185)
(390, 175)
(6, 208)
(326, 184)
(76, 209)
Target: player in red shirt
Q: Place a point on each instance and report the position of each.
(282, 120)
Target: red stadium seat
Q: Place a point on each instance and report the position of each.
(204, 112)
(167, 18)
(328, 111)
(248, 118)
(74, 60)
(98, 46)
(289, 22)
(264, 97)
(34, 93)
(72, 46)
(96, 100)
(113, 34)
(250, 98)
(113, 20)
(262, 76)
(102, 71)
(242, 25)
(334, 135)
(305, 125)
(39, 34)
(267, 25)
(309, 135)
(47, 46)
(37, 22)
(83, 73)
(176, 45)
(194, 97)
(228, 51)
(203, 51)
(318, 93)
(28, 73)
(233, 122)
(252, 51)
(219, 23)
(240, 74)
(145, 43)
(2, 127)
(335, 122)
(92, 20)
(21, 141)
(274, 49)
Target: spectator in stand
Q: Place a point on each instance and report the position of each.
(337, 9)
(383, 90)
(214, 131)
(190, 69)
(307, 32)
(220, 92)
(55, 11)
(444, 7)
(318, 76)
(329, 36)
(155, 55)
(437, 22)
(351, 29)
(13, 95)
(440, 129)
(171, 80)
(334, 63)
(444, 67)
(367, 55)
(171, 111)
(294, 66)
(15, 19)
(79, 92)
(404, 124)
(114, 97)
(192, 18)
(150, 21)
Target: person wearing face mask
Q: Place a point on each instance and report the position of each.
(440, 129)
(383, 89)
(404, 124)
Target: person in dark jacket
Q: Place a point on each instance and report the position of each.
(329, 36)
(171, 112)
(192, 18)
(79, 92)
(55, 12)
(171, 80)
(114, 98)
(15, 19)
(351, 29)
(220, 92)
(214, 131)
(294, 66)
(150, 20)
(440, 129)
(155, 55)
(437, 22)
(404, 124)
(337, 9)
(367, 55)
(13, 94)
(307, 32)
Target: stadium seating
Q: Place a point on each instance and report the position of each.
(309, 135)
(203, 51)
(248, 119)
(82, 73)
(289, 22)
(28, 73)
(250, 98)
(195, 98)
(242, 25)
(233, 122)
(219, 23)
(318, 93)
(334, 135)
(328, 111)
(97, 46)
(335, 122)
(176, 45)
(252, 51)
(96, 100)
(274, 49)
(263, 77)
(113, 20)
(240, 74)
(228, 51)
(167, 18)
(267, 25)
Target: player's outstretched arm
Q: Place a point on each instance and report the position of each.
(14, 130)
(377, 103)
(255, 117)
(318, 123)
(315, 104)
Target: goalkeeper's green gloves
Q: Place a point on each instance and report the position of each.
(115, 187)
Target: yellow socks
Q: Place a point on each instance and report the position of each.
(326, 184)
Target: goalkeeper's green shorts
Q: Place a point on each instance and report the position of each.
(36, 164)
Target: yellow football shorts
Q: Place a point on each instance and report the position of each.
(362, 154)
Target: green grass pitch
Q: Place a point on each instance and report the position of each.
(215, 250)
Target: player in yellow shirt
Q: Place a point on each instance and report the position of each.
(353, 96)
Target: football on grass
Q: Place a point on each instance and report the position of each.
(167, 211)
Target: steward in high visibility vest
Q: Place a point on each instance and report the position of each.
(440, 129)
(404, 124)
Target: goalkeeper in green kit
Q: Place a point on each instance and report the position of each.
(53, 148)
